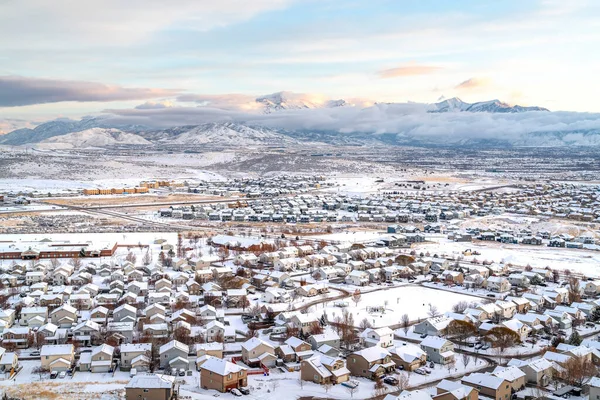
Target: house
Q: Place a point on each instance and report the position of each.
(513, 375)
(326, 273)
(519, 280)
(438, 350)
(488, 385)
(64, 316)
(507, 308)
(257, 352)
(19, 336)
(174, 354)
(304, 322)
(324, 370)
(497, 284)
(214, 349)
(99, 360)
(522, 304)
(371, 362)
(592, 288)
(383, 337)
(131, 352)
(29, 313)
(357, 278)
(222, 375)
(433, 326)
(150, 387)
(125, 313)
(450, 390)
(58, 357)
(215, 331)
(87, 332)
(160, 330)
(408, 356)
(9, 361)
(121, 332)
(329, 338)
(539, 372)
(99, 315)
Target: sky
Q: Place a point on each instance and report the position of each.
(70, 58)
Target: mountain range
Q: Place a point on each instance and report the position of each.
(94, 132)
(493, 106)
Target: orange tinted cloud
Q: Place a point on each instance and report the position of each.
(408, 70)
(473, 83)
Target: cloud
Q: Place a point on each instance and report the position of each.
(408, 121)
(408, 70)
(22, 91)
(473, 83)
(233, 101)
(117, 22)
(149, 105)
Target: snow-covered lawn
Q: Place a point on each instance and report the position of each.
(577, 260)
(412, 300)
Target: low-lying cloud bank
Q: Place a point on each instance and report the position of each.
(406, 119)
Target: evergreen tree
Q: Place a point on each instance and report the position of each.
(575, 338)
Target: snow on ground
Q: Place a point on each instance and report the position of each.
(412, 300)
(351, 236)
(577, 260)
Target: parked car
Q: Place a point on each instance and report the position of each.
(471, 344)
(478, 346)
(34, 354)
(351, 384)
(427, 370)
(485, 347)
(390, 380)
(62, 374)
(420, 371)
(236, 392)
(53, 375)
(423, 336)
(181, 372)
(244, 390)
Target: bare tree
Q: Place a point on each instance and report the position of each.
(466, 359)
(352, 390)
(402, 381)
(578, 370)
(405, 322)
(433, 311)
(41, 371)
(460, 307)
(356, 297)
(275, 385)
(147, 258)
(364, 324)
(574, 290)
(327, 386)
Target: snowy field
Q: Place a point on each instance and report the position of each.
(412, 300)
(583, 261)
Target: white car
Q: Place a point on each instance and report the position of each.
(62, 374)
(420, 371)
(236, 392)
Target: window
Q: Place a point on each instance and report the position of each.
(145, 390)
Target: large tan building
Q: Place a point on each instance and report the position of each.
(150, 387)
(222, 375)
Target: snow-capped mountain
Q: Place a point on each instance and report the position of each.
(292, 101)
(94, 137)
(59, 127)
(225, 134)
(493, 106)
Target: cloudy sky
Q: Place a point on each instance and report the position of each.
(72, 58)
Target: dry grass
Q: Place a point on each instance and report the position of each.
(60, 391)
(130, 199)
